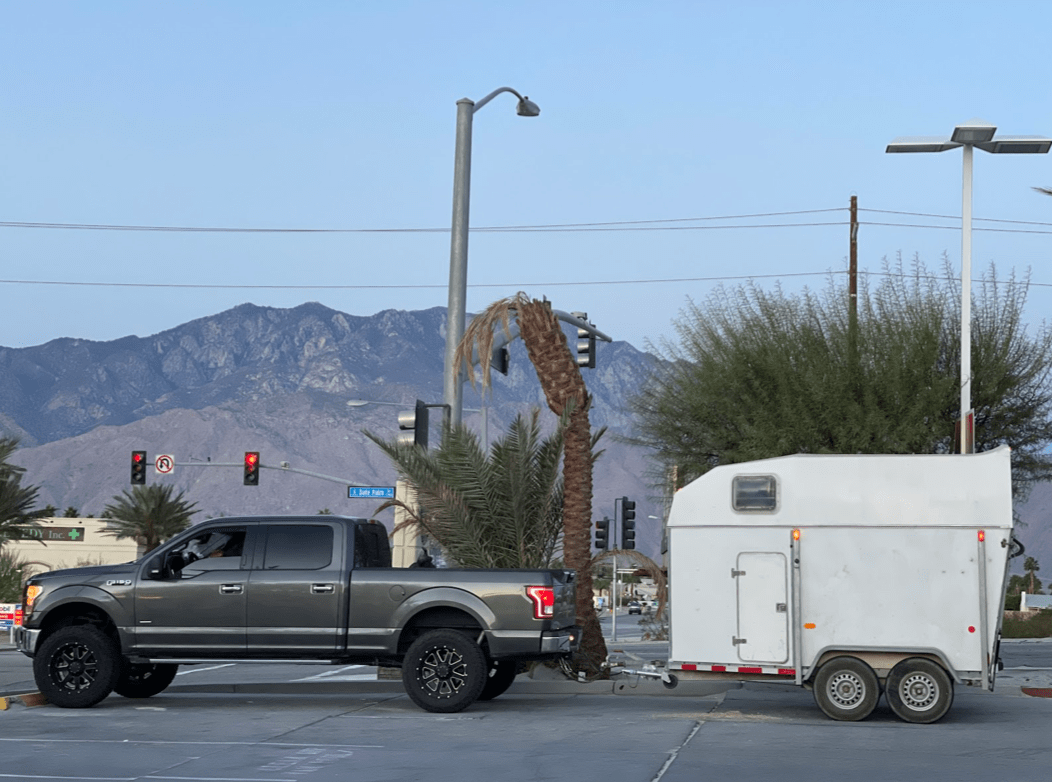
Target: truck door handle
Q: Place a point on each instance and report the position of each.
(322, 589)
(230, 589)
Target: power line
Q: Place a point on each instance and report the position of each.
(496, 228)
(518, 285)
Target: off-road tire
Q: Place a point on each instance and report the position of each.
(499, 678)
(144, 680)
(444, 671)
(76, 667)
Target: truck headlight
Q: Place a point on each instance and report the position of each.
(33, 591)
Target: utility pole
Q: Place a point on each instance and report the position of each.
(852, 292)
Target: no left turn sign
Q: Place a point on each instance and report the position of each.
(165, 463)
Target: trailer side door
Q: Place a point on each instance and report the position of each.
(763, 614)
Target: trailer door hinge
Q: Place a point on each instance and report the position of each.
(736, 573)
(737, 641)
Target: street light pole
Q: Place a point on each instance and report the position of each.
(452, 379)
(974, 133)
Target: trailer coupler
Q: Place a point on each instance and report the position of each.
(667, 679)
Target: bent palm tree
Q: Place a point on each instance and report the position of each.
(503, 509)
(566, 394)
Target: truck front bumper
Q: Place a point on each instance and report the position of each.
(26, 640)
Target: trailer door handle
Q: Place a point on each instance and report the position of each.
(780, 608)
(322, 589)
(230, 589)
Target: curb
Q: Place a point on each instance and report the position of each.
(26, 699)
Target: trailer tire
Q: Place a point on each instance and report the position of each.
(76, 666)
(144, 680)
(846, 689)
(919, 691)
(444, 671)
(499, 677)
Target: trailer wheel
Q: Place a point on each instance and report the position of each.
(499, 677)
(919, 691)
(846, 689)
(444, 671)
(144, 680)
(76, 666)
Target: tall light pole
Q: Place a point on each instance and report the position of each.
(974, 133)
(452, 385)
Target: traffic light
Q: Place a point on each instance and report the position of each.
(602, 534)
(252, 468)
(413, 424)
(628, 523)
(138, 467)
(585, 344)
(500, 359)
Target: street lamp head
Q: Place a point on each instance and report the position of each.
(1017, 145)
(527, 108)
(921, 144)
(974, 131)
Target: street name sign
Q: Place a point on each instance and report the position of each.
(371, 492)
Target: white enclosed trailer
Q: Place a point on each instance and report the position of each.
(846, 574)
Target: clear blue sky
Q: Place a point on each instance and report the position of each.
(342, 115)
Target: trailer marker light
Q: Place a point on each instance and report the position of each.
(809, 625)
(982, 535)
(796, 534)
(971, 629)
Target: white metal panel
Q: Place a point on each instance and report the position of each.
(860, 490)
(763, 608)
(704, 595)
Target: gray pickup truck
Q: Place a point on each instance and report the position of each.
(288, 589)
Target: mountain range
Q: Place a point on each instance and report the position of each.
(279, 381)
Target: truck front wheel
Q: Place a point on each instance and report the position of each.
(444, 671)
(919, 690)
(144, 680)
(76, 666)
(846, 689)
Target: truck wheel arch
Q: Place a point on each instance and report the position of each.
(444, 607)
(73, 613)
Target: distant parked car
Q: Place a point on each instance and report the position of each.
(635, 608)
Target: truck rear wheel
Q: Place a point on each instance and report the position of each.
(499, 677)
(76, 666)
(444, 671)
(846, 689)
(919, 690)
(144, 680)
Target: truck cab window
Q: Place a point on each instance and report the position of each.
(298, 547)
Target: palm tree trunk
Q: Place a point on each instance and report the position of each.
(563, 385)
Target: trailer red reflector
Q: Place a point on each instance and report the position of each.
(982, 535)
(749, 670)
(690, 667)
(787, 672)
(719, 668)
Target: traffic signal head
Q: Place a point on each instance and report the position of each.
(138, 467)
(252, 468)
(628, 523)
(585, 344)
(414, 425)
(602, 534)
(500, 359)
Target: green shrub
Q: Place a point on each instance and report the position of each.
(1012, 602)
(1039, 626)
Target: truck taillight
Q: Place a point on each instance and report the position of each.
(543, 598)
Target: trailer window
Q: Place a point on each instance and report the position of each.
(755, 492)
